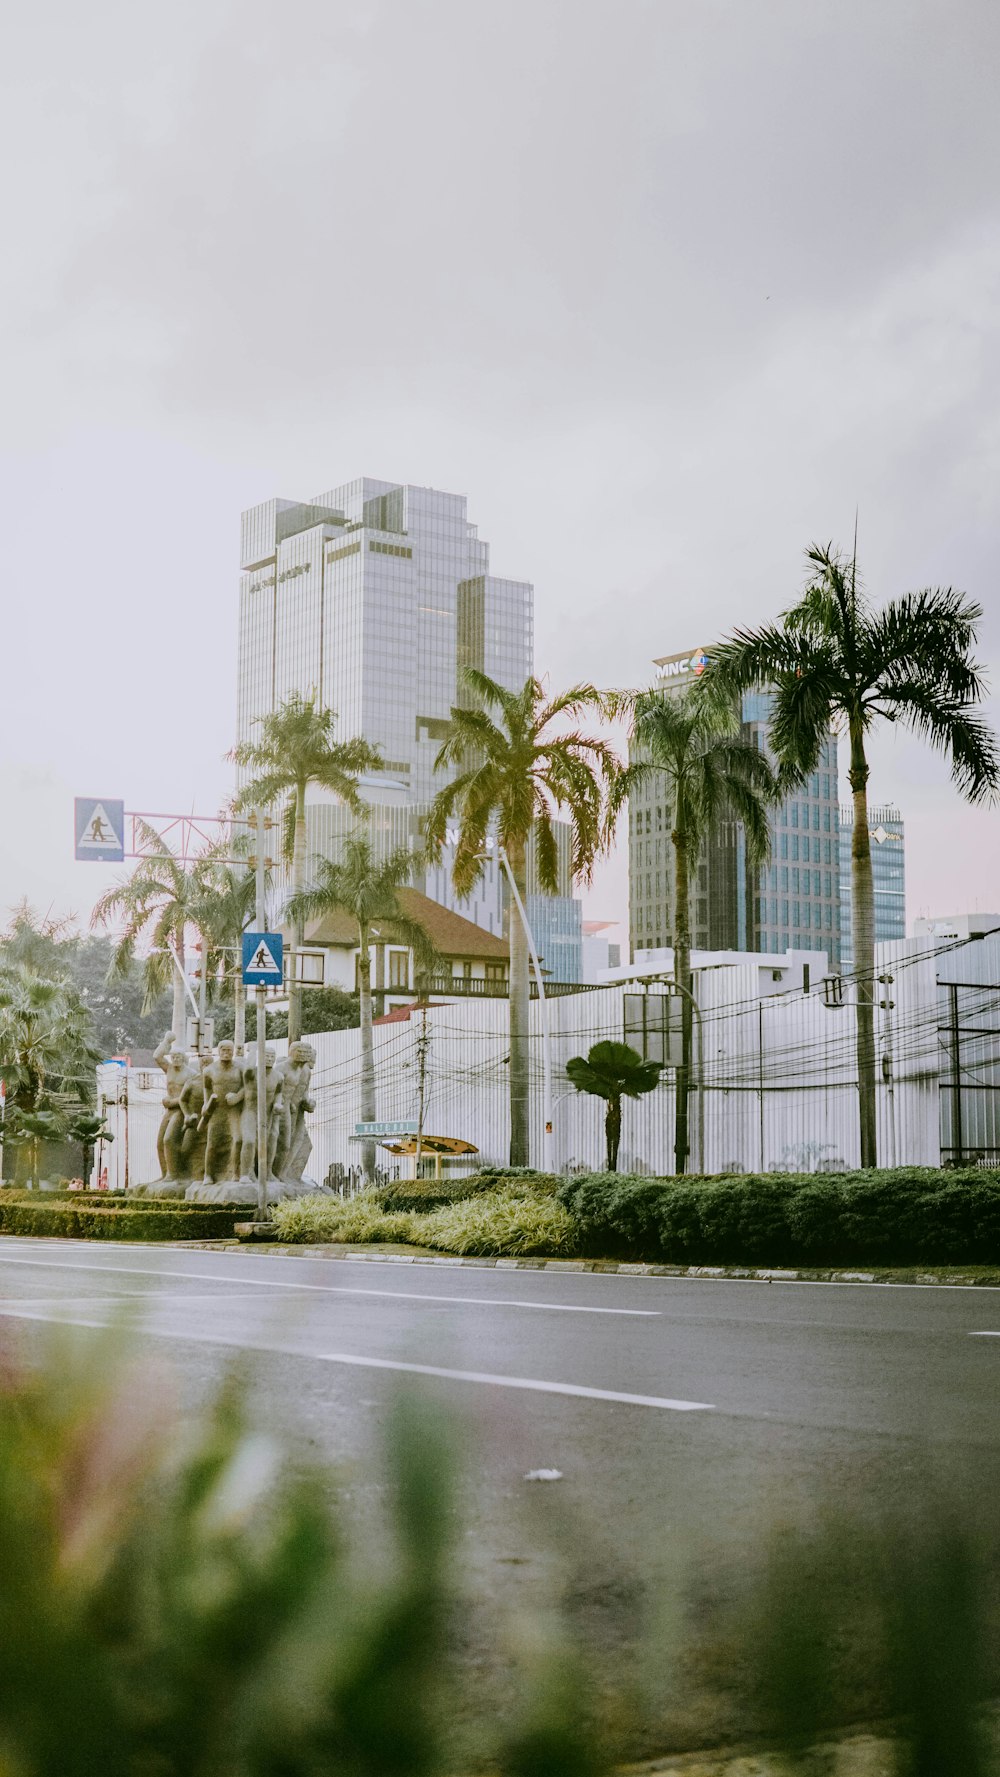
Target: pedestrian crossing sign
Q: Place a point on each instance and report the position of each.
(99, 830)
(263, 959)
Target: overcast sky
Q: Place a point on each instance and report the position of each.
(668, 289)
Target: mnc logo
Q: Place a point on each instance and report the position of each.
(698, 662)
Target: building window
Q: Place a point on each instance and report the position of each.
(496, 971)
(795, 814)
(399, 968)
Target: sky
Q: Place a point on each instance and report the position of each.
(669, 290)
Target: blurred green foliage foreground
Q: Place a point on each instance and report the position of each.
(176, 1601)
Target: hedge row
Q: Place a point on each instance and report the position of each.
(187, 1222)
(907, 1216)
(428, 1194)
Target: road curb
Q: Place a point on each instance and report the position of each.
(385, 1255)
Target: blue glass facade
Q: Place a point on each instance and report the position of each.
(556, 923)
(795, 902)
(888, 852)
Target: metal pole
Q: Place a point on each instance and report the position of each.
(957, 1134)
(548, 1141)
(261, 917)
(888, 1065)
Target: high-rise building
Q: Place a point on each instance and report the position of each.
(886, 840)
(795, 901)
(375, 595)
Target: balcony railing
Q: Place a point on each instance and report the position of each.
(488, 988)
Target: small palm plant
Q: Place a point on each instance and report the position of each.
(88, 1130)
(296, 748)
(366, 888)
(613, 1071)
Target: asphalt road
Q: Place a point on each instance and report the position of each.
(684, 1417)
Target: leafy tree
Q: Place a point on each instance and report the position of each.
(88, 1130)
(323, 1008)
(366, 888)
(837, 660)
(710, 773)
(44, 1043)
(515, 774)
(119, 1022)
(28, 1129)
(613, 1071)
(156, 904)
(223, 909)
(296, 748)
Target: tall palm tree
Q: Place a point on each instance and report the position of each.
(296, 748)
(711, 774)
(366, 888)
(613, 1071)
(223, 909)
(837, 660)
(156, 903)
(515, 774)
(44, 1043)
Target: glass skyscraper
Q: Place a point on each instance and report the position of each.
(794, 902)
(887, 842)
(374, 595)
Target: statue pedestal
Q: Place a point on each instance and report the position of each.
(245, 1191)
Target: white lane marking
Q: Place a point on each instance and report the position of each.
(989, 1334)
(326, 1289)
(484, 1378)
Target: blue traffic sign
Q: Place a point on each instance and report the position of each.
(263, 960)
(99, 828)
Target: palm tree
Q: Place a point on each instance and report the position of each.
(836, 660)
(88, 1129)
(223, 909)
(711, 774)
(514, 775)
(43, 1039)
(296, 748)
(157, 903)
(613, 1071)
(366, 888)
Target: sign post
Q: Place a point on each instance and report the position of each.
(262, 968)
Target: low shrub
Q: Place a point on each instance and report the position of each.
(909, 1215)
(192, 1221)
(303, 1220)
(428, 1194)
(500, 1223)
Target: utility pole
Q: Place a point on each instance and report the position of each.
(257, 820)
(888, 1069)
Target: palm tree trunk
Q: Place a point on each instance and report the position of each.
(239, 1010)
(179, 1022)
(682, 977)
(863, 918)
(298, 883)
(367, 1051)
(613, 1131)
(520, 1013)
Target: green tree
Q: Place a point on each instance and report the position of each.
(295, 749)
(156, 905)
(514, 775)
(710, 774)
(88, 1130)
(44, 1041)
(27, 1130)
(613, 1071)
(837, 660)
(223, 909)
(366, 888)
(323, 1008)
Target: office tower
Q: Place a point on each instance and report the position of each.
(886, 840)
(794, 901)
(374, 595)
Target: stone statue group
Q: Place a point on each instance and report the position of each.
(207, 1140)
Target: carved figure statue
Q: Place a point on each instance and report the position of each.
(220, 1118)
(246, 1098)
(192, 1144)
(295, 1072)
(298, 1074)
(170, 1135)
